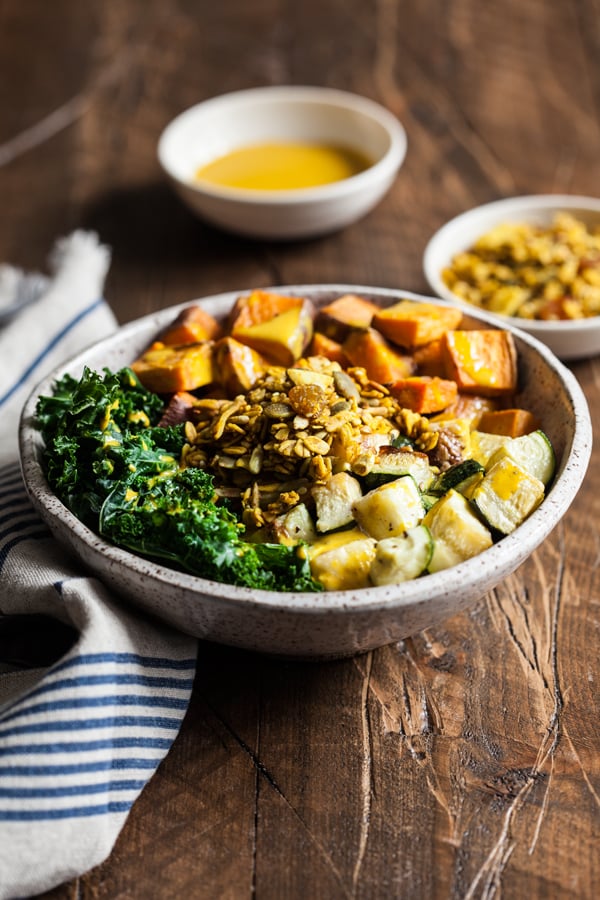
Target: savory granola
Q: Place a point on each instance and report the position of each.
(295, 428)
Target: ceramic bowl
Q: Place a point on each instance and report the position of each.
(306, 114)
(575, 339)
(337, 623)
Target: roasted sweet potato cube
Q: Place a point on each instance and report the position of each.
(263, 306)
(481, 362)
(345, 314)
(424, 394)
(411, 324)
(321, 345)
(237, 367)
(192, 325)
(166, 370)
(511, 422)
(370, 350)
(283, 338)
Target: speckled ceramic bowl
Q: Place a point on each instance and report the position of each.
(331, 624)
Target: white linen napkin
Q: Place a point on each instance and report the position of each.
(81, 735)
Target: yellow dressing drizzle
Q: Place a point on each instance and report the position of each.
(473, 365)
(505, 481)
(333, 541)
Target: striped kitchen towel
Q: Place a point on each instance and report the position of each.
(92, 694)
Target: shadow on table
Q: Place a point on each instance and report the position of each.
(231, 681)
(149, 223)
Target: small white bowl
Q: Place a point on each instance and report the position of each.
(312, 114)
(574, 339)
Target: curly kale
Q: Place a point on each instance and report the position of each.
(118, 471)
(175, 519)
(95, 429)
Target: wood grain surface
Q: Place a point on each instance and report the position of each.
(465, 761)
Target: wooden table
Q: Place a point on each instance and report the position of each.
(464, 761)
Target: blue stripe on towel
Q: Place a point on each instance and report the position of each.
(112, 678)
(36, 815)
(24, 375)
(86, 724)
(20, 501)
(71, 790)
(83, 746)
(155, 662)
(100, 765)
(91, 702)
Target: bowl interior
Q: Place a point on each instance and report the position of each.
(461, 232)
(314, 115)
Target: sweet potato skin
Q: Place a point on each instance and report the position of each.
(370, 350)
(411, 324)
(424, 394)
(481, 362)
(237, 366)
(345, 314)
(192, 325)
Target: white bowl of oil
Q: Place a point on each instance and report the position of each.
(283, 163)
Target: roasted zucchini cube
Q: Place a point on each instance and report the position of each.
(507, 495)
(342, 562)
(294, 526)
(402, 558)
(334, 501)
(392, 462)
(533, 452)
(391, 509)
(457, 532)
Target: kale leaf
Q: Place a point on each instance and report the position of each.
(94, 430)
(176, 519)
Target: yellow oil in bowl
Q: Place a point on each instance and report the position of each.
(283, 166)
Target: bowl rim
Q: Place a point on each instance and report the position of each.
(534, 202)
(385, 167)
(516, 546)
